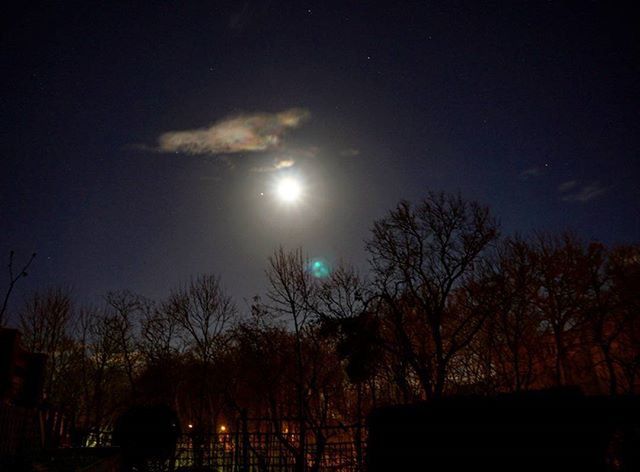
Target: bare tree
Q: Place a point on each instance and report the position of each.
(13, 279)
(125, 312)
(263, 350)
(623, 267)
(600, 311)
(344, 309)
(158, 334)
(45, 321)
(561, 297)
(202, 314)
(419, 256)
(292, 294)
(344, 302)
(513, 326)
(106, 384)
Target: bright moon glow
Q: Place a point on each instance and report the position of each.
(289, 190)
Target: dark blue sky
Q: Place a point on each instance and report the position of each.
(529, 107)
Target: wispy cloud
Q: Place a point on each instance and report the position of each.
(584, 193)
(349, 152)
(240, 133)
(566, 186)
(530, 173)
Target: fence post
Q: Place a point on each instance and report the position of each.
(245, 441)
(236, 448)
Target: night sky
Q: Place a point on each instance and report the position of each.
(141, 144)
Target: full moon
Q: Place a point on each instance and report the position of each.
(288, 190)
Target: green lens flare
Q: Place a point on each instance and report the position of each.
(319, 268)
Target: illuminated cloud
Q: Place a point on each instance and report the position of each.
(240, 133)
(584, 194)
(277, 164)
(285, 158)
(283, 164)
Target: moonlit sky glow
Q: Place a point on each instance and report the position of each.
(147, 142)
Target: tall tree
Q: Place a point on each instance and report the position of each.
(202, 313)
(602, 324)
(45, 322)
(292, 293)
(345, 313)
(623, 268)
(561, 298)
(126, 310)
(513, 327)
(420, 255)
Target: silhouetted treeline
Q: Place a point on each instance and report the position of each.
(446, 306)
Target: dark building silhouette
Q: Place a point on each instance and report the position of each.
(21, 382)
(21, 371)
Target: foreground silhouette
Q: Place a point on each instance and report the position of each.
(544, 430)
(147, 437)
